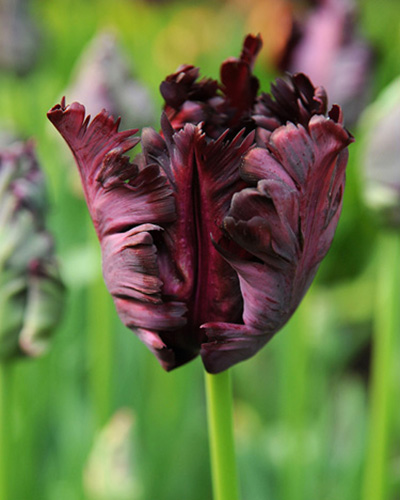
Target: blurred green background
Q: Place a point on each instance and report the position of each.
(301, 405)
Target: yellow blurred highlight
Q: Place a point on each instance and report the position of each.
(192, 32)
(111, 472)
(273, 19)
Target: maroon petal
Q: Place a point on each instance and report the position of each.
(204, 176)
(130, 264)
(239, 85)
(285, 225)
(129, 205)
(229, 344)
(169, 358)
(120, 195)
(293, 99)
(189, 99)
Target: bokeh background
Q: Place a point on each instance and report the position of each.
(97, 418)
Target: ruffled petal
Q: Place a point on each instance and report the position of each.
(90, 141)
(130, 264)
(239, 85)
(204, 176)
(285, 224)
(293, 99)
(229, 344)
(120, 194)
(169, 358)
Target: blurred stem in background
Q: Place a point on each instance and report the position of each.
(221, 438)
(294, 398)
(100, 347)
(386, 327)
(6, 444)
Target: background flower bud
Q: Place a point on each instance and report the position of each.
(380, 125)
(103, 80)
(31, 292)
(18, 36)
(327, 46)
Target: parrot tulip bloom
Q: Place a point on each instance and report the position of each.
(212, 235)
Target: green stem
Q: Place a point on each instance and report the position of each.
(220, 424)
(386, 327)
(5, 430)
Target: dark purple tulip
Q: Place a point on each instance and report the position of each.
(212, 235)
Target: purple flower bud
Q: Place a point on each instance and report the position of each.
(19, 38)
(326, 46)
(103, 80)
(380, 124)
(212, 235)
(31, 292)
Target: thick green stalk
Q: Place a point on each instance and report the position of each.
(220, 425)
(5, 430)
(386, 328)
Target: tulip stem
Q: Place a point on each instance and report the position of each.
(220, 424)
(5, 429)
(386, 328)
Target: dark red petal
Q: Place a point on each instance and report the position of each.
(168, 357)
(264, 221)
(229, 344)
(90, 141)
(157, 347)
(184, 85)
(293, 99)
(293, 149)
(130, 264)
(131, 206)
(239, 85)
(120, 195)
(286, 226)
(260, 164)
(204, 176)
(159, 317)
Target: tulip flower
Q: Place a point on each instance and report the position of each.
(212, 235)
(31, 292)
